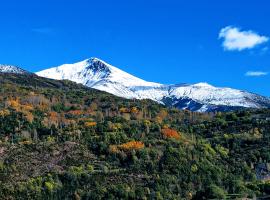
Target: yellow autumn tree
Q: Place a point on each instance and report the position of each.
(90, 124)
(134, 110)
(124, 110)
(131, 145)
(4, 112)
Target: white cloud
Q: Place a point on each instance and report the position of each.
(235, 39)
(256, 73)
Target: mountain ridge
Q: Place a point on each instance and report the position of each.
(12, 69)
(100, 75)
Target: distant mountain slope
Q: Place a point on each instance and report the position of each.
(12, 69)
(201, 97)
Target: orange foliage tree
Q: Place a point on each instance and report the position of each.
(29, 116)
(53, 118)
(134, 110)
(131, 145)
(170, 133)
(76, 112)
(24, 108)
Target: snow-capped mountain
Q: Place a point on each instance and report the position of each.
(202, 97)
(12, 69)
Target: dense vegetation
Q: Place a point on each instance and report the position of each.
(60, 140)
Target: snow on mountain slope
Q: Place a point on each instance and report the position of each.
(92, 70)
(11, 69)
(206, 93)
(99, 75)
(202, 97)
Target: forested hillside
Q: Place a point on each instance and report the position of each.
(61, 140)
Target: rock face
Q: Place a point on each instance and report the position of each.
(201, 97)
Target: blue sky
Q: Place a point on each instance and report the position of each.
(225, 42)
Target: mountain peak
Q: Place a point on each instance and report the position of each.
(12, 69)
(97, 61)
(94, 59)
(98, 66)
